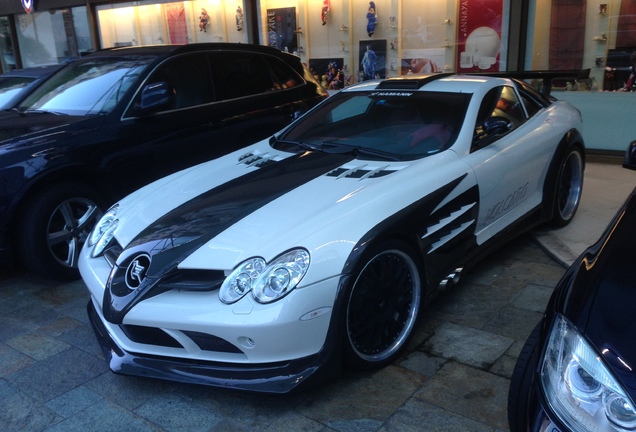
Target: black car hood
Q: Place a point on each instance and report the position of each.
(601, 300)
(16, 128)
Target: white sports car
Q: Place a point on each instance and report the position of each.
(272, 266)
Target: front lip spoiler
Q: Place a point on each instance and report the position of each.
(281, 377)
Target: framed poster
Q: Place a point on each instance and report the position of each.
(281, 26)
(479, 35)
(372, 60)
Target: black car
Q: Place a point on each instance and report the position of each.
(576, 371)
(117, 119)
(16, 84)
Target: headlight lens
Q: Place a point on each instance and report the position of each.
(267, 282)
(580, 388)
(103, 231)
(240, 281)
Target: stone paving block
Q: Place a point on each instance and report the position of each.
(470, 393)
(83, 337)
(128, 391)
(513, 323)
(12, 360)
(467, 345)
(533, 298)
(295, 422)
(173, 413)
(59, 326)
(37, 346)
(73, 401)
(103, 416)
(423, 363)
(365, 398)
(417, 416)
(18, 412)
(58, 374)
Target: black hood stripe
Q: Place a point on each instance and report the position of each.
(176, 235)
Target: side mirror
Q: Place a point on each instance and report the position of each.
(497, 125)
(155, 97)
(630, 156)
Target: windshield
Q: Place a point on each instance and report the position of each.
(85, 87)
(11, 86)
(392, 125)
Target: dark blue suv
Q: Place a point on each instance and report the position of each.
(106, 124)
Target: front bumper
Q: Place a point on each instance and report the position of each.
(279, 377)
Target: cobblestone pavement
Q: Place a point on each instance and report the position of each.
(455, 376)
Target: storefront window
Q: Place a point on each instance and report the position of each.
(597, 38)
(53, 36)
(155, 23)
(376, 39)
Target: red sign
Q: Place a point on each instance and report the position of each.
(479, 35)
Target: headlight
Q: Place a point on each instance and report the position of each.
(103, 231)
(580, 388)
(267, 282)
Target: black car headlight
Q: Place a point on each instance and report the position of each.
(267, 282)
(580, 389)
(103, 232)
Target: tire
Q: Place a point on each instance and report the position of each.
(520, 390)
(55, 224)
(382, 306)
(568, 188)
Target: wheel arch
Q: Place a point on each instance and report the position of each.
(572, 138)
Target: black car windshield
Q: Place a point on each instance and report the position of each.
(11, 86)
(392, 125)
(86, 87)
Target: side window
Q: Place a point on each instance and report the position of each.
(241, 74)
(189, 77)
(500, 112)
(284, 77)
(531, 106)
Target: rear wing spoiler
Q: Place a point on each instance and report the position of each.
(546, 76)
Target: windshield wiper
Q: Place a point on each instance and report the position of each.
(302, 145)
(336, 147)
(40, 111)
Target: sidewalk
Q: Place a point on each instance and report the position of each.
(606, 187)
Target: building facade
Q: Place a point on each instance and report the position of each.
(363, 39)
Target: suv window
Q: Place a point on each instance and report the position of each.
(283, 76)
(241, 74)
(189, 77)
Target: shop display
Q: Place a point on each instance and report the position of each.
(325, 10)
(204, 19)
(372, 18)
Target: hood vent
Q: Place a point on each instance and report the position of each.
(257, 160)
(360, 172)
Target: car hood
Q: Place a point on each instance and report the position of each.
(262, 201)
(191, 228)
(601, 299)
(20, 128)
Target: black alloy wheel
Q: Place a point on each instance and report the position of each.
(382, 307)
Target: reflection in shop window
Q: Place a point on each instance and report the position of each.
(53, 37)
(169, 22)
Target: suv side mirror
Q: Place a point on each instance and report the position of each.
(155, 97)
(630, 156)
